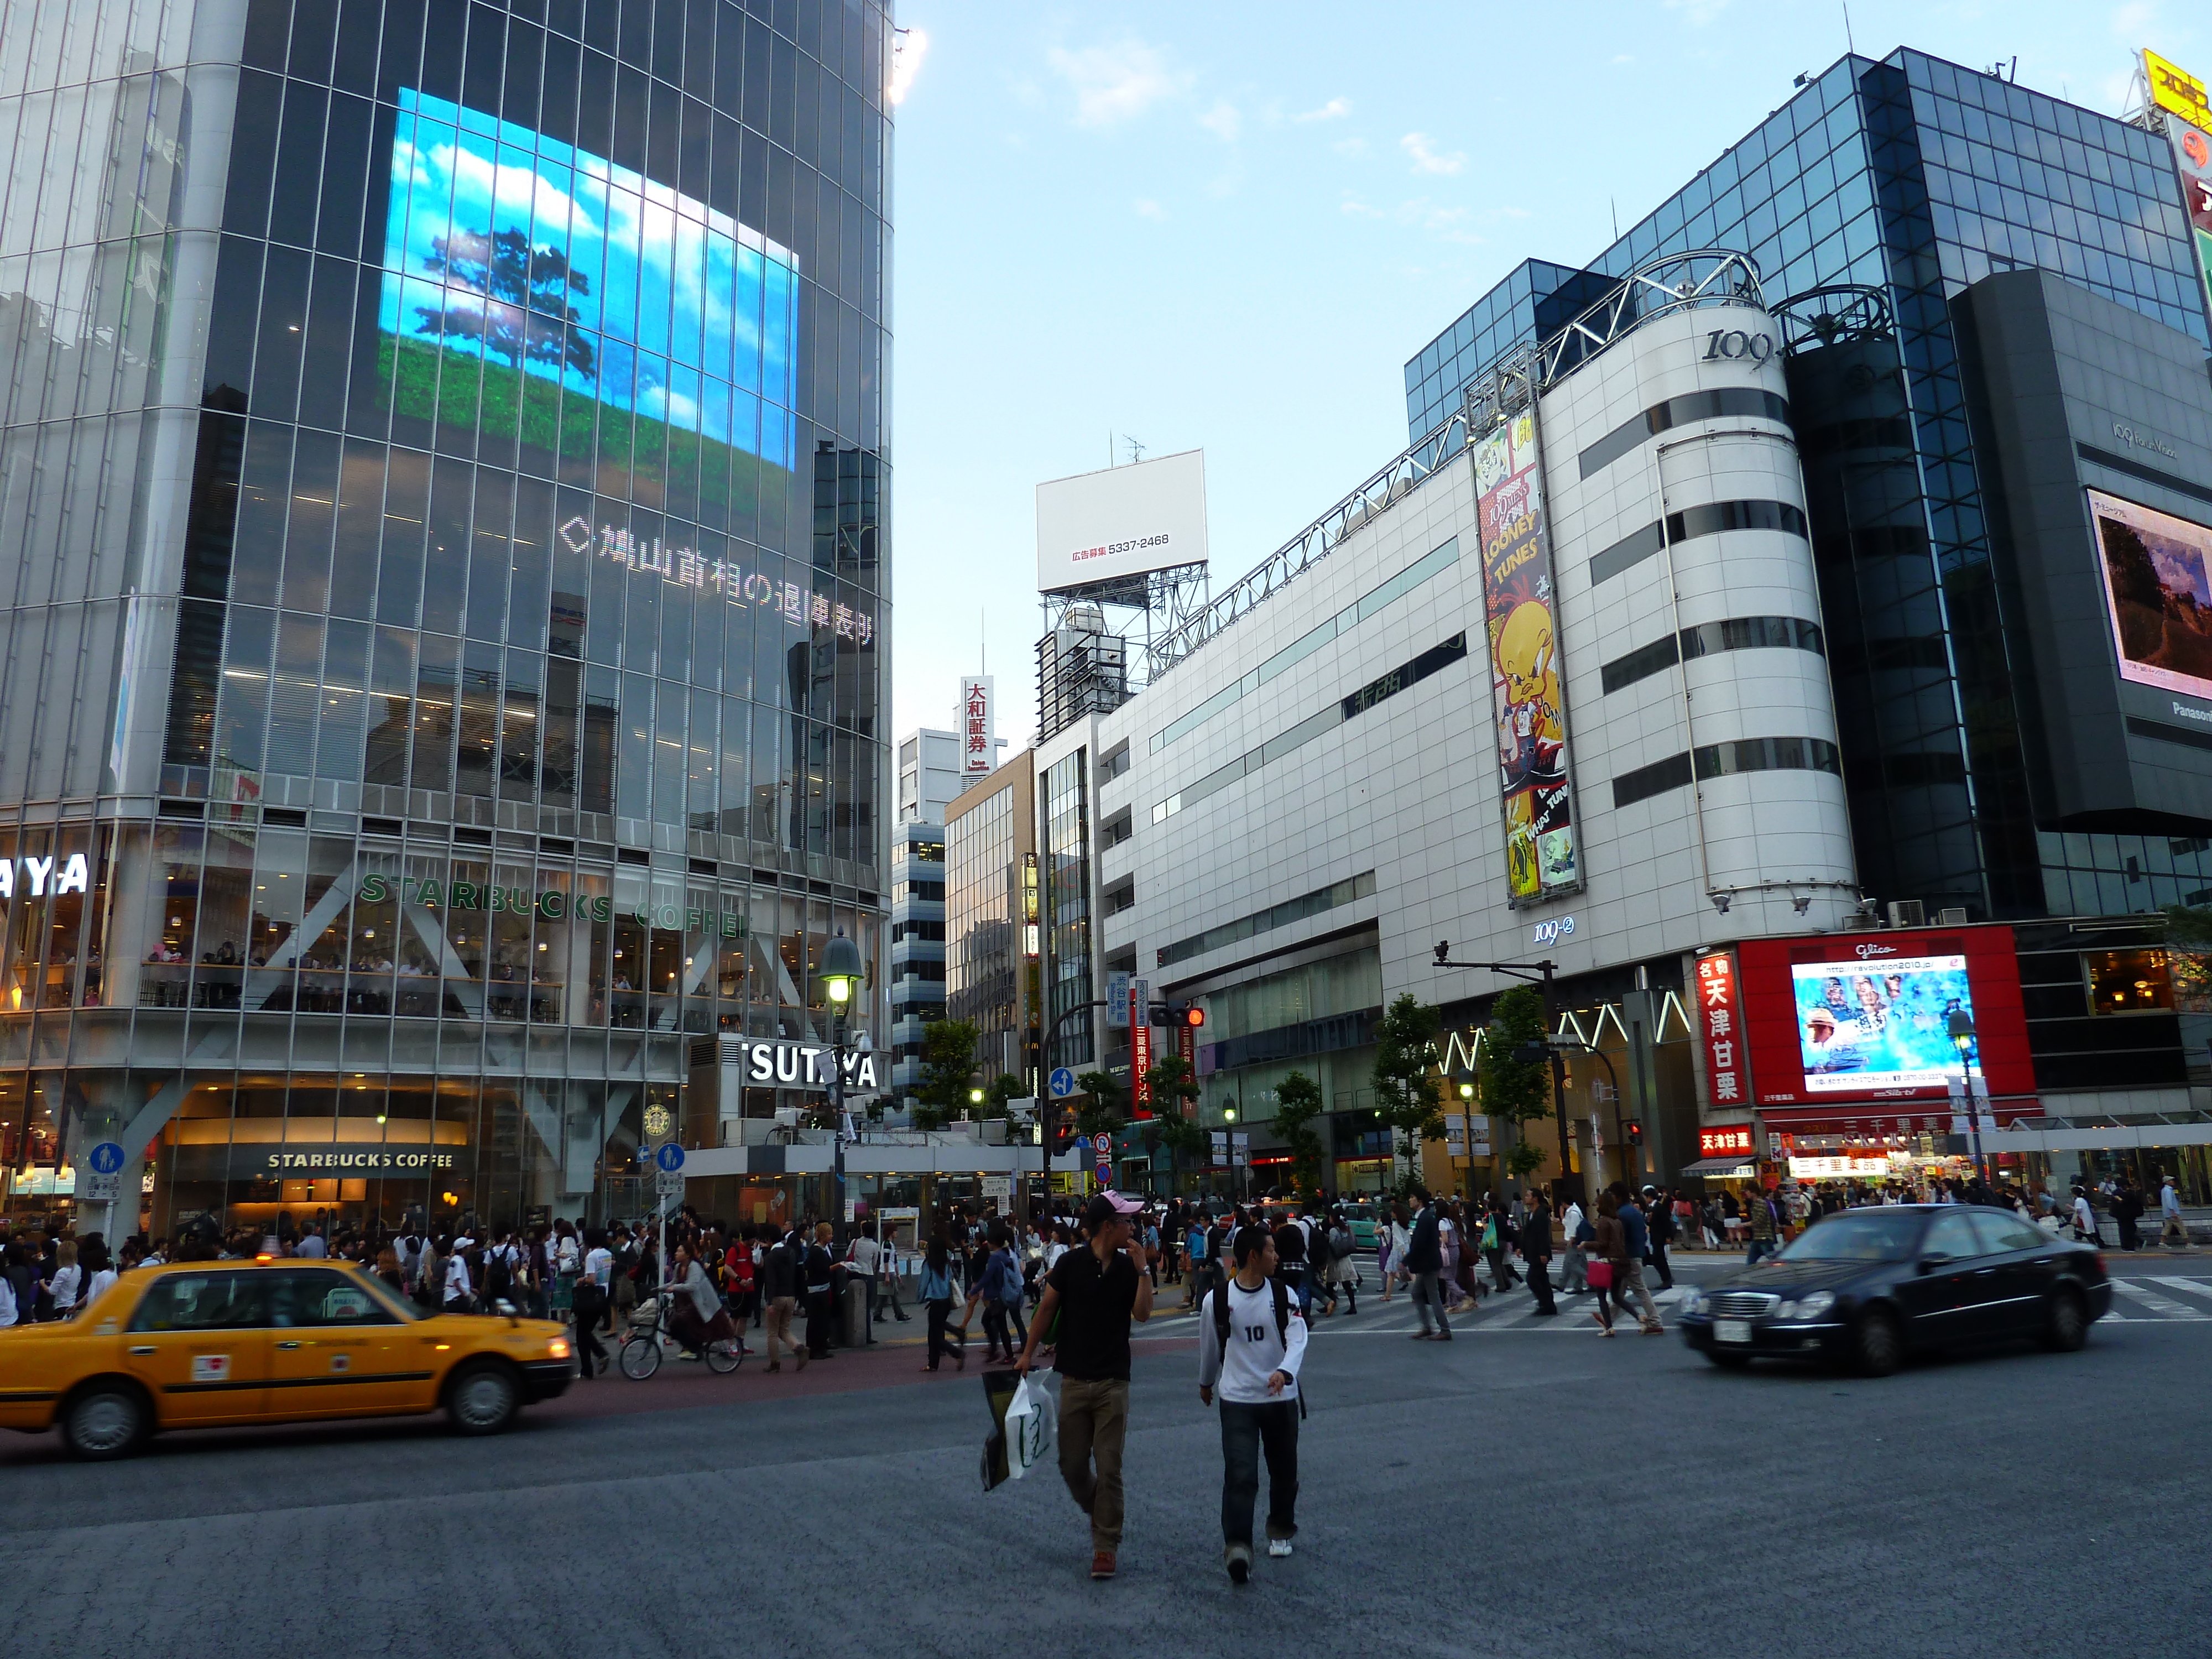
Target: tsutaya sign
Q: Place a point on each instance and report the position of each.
(779, 1063)
(40, 877)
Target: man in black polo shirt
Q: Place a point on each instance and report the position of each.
(1096, 1290)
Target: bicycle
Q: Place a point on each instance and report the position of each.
(648, 1339)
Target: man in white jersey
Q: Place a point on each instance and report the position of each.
(1251, 1341)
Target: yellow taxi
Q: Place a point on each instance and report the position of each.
(212, 1344)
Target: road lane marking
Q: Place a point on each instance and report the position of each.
(2155, 1302)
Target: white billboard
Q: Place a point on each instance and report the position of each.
(1121, 522)
(978, 727)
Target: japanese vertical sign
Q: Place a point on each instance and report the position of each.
(978, 753)
(1720, 1028)
(2188, 121)
(1528, 707)
(1140, 1046)
(1187, 1051)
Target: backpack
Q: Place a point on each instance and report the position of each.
(1282, 1295)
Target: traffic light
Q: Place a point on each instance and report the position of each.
(1185, 1014)
(1635, 1132)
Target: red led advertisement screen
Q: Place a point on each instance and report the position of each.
(1852, 1018)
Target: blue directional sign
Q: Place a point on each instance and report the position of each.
(1062, 1083)
(106, 1158)
(670, 1157)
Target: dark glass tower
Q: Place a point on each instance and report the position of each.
(1915, 178)
(444, 465)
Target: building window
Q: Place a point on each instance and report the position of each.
(2128, 981)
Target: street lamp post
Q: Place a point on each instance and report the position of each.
(1961, 1025)
(1538, 974)
(843, 971)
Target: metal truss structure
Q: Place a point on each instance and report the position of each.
(1832, 315)
(1655, 289)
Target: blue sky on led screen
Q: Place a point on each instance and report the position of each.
(512, 247)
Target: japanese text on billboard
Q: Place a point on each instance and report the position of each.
(1720, 1028)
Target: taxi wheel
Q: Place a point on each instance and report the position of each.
(105, 1420)
(483, 1399)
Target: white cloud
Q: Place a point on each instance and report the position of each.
(1147, 209)
(1425, 158)
(1223, 121)
(1115, 82)
(1328, 111)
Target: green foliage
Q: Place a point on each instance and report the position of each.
(1514, 1089)
(1405, 1079)
(1174, 1090)
(1523, 1159)
(948, 1060)
(1102, 1111)
(2189, 926)
(999, 1092)
(1297, 1102)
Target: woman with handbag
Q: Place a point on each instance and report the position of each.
(1608, 1253)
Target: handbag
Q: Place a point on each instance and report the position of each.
(1600, 1275)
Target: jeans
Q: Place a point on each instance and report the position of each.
(940, 1311)
(1540, 1281)
(998, 1318)
(1427, 1295)
(1246, 1430)
(869, 1323)
(1094, 1418)
(1760, 1247)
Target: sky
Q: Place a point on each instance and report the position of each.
(1228, 226)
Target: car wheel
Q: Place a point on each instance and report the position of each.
(104, 1420)
(1727, 1361)
(483, 1399)
(2066, 1326)
(1877, 1345)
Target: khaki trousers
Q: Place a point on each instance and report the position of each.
(1094, 1416)
(778, 1326)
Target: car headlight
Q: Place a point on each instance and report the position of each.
(1812, 1306)
(558, 1348)
(1785, 1310)
(1693, 1302)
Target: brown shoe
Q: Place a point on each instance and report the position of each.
(1102, 1563)
(774, 1366)
(801, 1352)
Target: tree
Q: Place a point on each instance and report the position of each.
(948, 1060)
(1175, 1097)
(1000, 1092)
(512, 299)
(1405, 1073)
(1516, 1089)
(1297, 1102)
(1102, 1111)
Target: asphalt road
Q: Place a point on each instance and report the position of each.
(1530, 1489)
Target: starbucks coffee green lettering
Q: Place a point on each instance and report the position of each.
(550, 903)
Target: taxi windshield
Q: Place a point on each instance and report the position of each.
(1884, 1235)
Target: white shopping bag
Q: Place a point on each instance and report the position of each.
(1032, 1426)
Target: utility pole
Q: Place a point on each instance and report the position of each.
(1538, 974)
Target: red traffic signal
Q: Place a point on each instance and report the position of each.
(1635, 1133)
(1189, 1015)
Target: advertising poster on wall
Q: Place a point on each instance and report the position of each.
(1884, 1025)
(2158, 594)
(1528, 707)
(2189, 120)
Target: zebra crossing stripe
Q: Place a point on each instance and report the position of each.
(2155, 1302)
(2194, 1286)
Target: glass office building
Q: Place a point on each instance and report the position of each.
(444, 470)
(1913, 178)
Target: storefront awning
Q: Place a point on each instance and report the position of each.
(1740, 1167)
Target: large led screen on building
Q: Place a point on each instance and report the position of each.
(2158, 591)
(1542, 858)
(1883, 1024)
(540, 270)
(1843, 1019)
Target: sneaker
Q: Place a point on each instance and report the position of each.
(1279, 1548)
(1240, 1563)
(1102, 1563)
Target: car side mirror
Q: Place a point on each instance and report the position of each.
(503, 1306)
(1929, 1264)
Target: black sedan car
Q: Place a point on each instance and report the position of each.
(1866, 1287)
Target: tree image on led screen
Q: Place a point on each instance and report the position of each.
(2158, 578)
(512, 299)
(534, 290)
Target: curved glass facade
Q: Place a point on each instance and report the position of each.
(444, 469)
